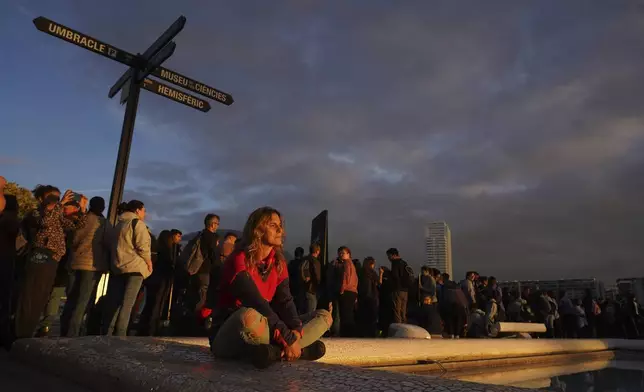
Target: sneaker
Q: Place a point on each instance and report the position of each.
(265, 355)
(313, 352)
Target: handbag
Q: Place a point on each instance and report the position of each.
(40, 256)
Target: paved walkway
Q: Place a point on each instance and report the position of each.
(15, 376)
(148, 364)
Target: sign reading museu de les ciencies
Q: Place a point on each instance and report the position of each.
(104, 49)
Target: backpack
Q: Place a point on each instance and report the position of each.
(191, 257)
(134, 222)
(408, 276)
(305, 268)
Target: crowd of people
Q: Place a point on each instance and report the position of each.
(231, 289)
(221, 286)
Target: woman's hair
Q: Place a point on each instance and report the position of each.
(134, 205)
(314, 247)
(368, 263)
(122, 207)
(340, 249)
(165, 240)
(252, 234)
(41, 190)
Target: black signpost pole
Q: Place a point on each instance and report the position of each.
(118, 183)
(141, 66)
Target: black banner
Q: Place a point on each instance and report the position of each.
(320, 234)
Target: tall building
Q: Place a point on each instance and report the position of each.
(438, 247)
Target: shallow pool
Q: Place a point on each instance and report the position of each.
(594, 376)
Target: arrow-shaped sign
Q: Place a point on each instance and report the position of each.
(193, 85)
(85, 41)
(176, 95)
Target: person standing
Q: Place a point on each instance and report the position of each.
(45, 228)
(208, 247)
(3, 201)
(454, 310)
(400, 280)
(157, 286)
(368, 297)
(311, 277)
(88, 260)
(348, 293)
(294, 275)
(131, 264)
(429, 315)
(469, 288)
(9, 227)
(334, 274)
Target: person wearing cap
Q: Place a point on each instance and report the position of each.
(89, 260)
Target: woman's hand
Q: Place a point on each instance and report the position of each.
(68, 196)
(83, 203)
(294, 351)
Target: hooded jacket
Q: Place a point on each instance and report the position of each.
(90, 245)
(131, 249)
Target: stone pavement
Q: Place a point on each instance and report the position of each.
(15, 376)
(148, 364)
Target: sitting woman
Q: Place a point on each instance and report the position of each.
(255, 317)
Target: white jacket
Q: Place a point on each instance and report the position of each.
(131, 249)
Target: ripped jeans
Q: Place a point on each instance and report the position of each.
(247, 327)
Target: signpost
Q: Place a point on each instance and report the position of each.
(192, 85)
(176, 95)
(85, 41)
(141, 66)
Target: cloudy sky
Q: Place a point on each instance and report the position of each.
(518, 123)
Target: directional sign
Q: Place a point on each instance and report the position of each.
(193, 85)
(176, 95)
(165, 38)
(85, 41)
(125, 92)
(120, 83)
(156, 61)
(158, 45)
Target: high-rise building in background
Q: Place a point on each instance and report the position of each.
(438, 247)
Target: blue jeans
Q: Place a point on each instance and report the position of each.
(335, 328)
(121, 295)
(247, 327)
(53, 306)
(80, 295)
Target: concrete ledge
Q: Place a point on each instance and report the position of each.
(148, 364)
(522, 327)
(388, 352)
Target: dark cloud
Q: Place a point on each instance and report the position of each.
(519, 124)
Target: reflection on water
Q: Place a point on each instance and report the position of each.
(611, 379)
(589, 376)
